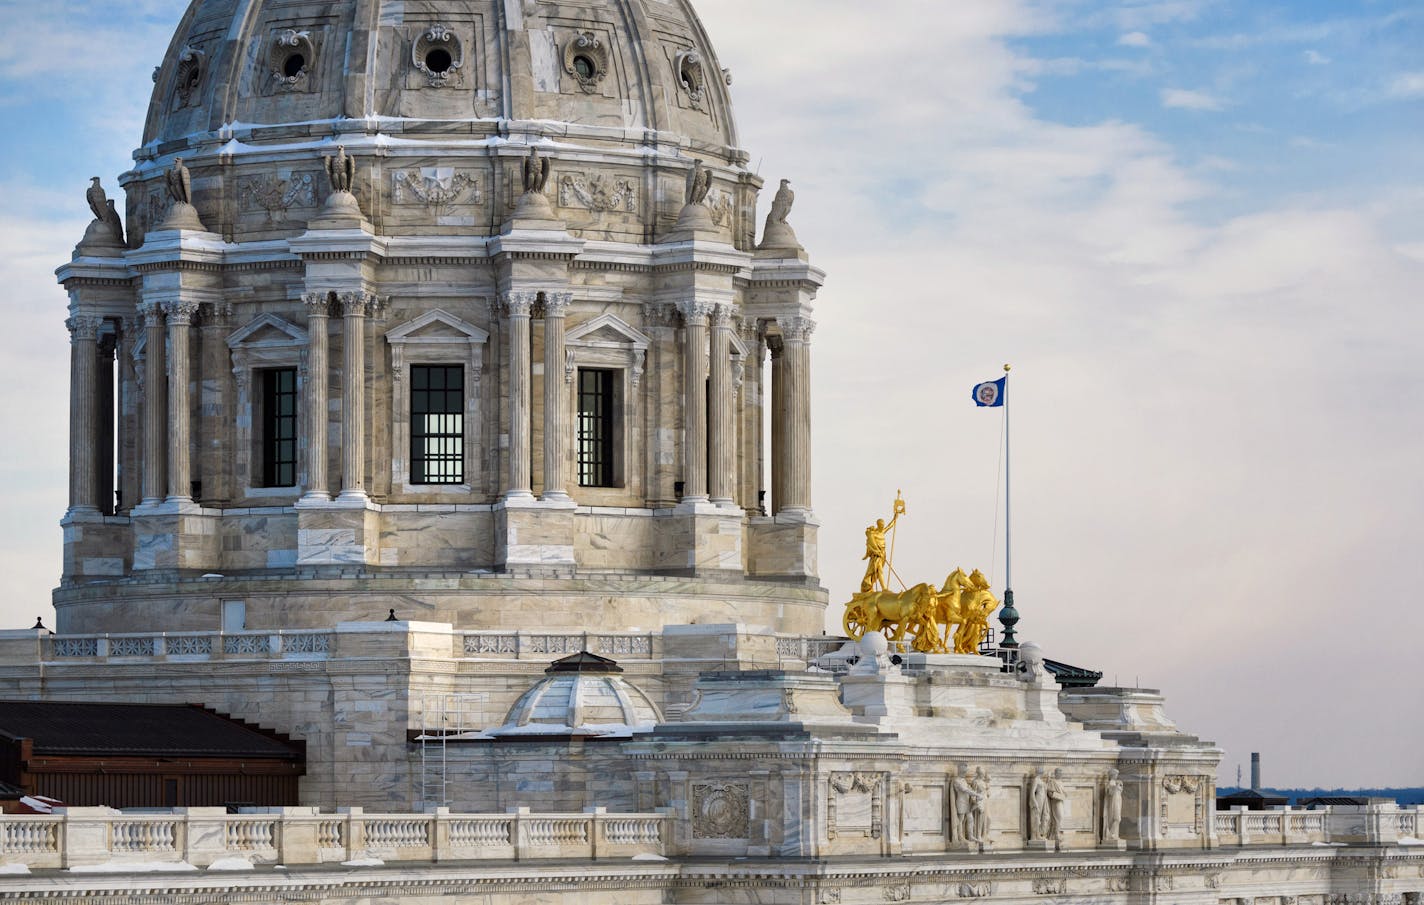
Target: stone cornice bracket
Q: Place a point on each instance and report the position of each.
(83, 327)
(519, 303)
(180, 312)
(696, 312)
(318, 304)
(797, 329)
(360, 304)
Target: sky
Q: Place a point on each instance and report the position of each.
(1194, 227)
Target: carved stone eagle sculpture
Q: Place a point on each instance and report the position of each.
(180, 183)
(98, 199)
(781, 204)
(114, 221)
(699, 183)
(536, 172)
(341, 170)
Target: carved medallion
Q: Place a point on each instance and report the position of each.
(720, 810)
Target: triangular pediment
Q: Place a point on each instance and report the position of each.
(437, 326)
(610, 329)
(268, 330)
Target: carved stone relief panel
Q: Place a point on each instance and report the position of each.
(900, 892)
(598, 192)
(1183, 805)
(1055, 886)
(275, 194)
(981, 889)
(856, 804)
(440, 190)
(720, 810)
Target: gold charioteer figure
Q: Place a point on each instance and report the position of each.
(918, 612)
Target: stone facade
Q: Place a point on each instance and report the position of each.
(349, 194)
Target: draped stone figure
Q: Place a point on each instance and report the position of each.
(1057, 801)
(1037, 806)
(1112, 806)
(980, 809)
(962, 797)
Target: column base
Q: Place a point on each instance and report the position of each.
(517, 497)
(555, 496)
(1117, 845)
(82, 514)
(314, 498)
(353, 497)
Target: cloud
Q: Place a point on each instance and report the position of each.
(1316, 58)
(1406, 86)
(1184, 99)
(1135, 39)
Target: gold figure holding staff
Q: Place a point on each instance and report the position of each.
(878, 562)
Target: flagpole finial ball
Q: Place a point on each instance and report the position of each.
(1006, 369)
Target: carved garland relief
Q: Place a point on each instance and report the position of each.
(438, 188)
(856, 803)
(720, 810)
(275, 195)
(598, 192)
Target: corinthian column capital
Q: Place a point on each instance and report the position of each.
(360, 303)
(722, 315)
(556, 304)
(180, 312)
(318, 304)
(696, 312)
(797, 329)
(83, 328)
(518, 302)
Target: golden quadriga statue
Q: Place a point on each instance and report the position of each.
(922, 613)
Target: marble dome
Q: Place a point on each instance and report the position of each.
(580, 695)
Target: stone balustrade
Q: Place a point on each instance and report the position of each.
(551, 645)
(77, 837)
(1338, 824)
(191, 646)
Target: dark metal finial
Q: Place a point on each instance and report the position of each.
(392, 617)
(1010, 618)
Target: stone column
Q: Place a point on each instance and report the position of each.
(83, 398)
(354, 307)
(778, 421)
(180, 418)
(518, 307)
(155, 433)
(314, 398)
(796, 412)
(753, 399)
(556, 407)
(694, 400)
(104, 424)
(722, 467)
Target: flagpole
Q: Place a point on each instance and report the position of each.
(1008, 616)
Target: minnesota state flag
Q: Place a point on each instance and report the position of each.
(990, 393)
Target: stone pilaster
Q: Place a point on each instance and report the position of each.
(694, 400)
(556, 407)
(155, 433)
(796, 413)
(354, 308)
(180, 420)
(83, 392)
(104, 423)
(722, 467)
(315, 396)
(753, 398)
(518, 307)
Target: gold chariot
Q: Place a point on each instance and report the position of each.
(923, 614)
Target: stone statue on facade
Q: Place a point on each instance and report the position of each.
(104, 210)
(1057, 802)
(180, 183)
(699, 183)
(979, 810)
(536, 171)
(778, 233)
(1037, 806)
(341, 170)
(182, 214)
(1112, 807)
(961, 797)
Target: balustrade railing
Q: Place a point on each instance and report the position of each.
(300, 644)
(546, 645)
(201, 836)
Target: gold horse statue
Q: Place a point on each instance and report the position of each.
(964, 600)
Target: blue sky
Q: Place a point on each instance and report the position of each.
(1195, 227)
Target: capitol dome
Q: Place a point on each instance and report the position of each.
(452, 307)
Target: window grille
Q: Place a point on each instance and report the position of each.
(279, 427)
(595, 427)
(437, 424)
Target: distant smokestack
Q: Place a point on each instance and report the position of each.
(1255, 771)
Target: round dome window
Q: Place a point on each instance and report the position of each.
(293, 65)
(584, 67)
(438, 60)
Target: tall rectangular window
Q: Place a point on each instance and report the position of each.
(437, 424)
(279, 427)
(596, 429)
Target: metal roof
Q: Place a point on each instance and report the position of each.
(138, 730)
